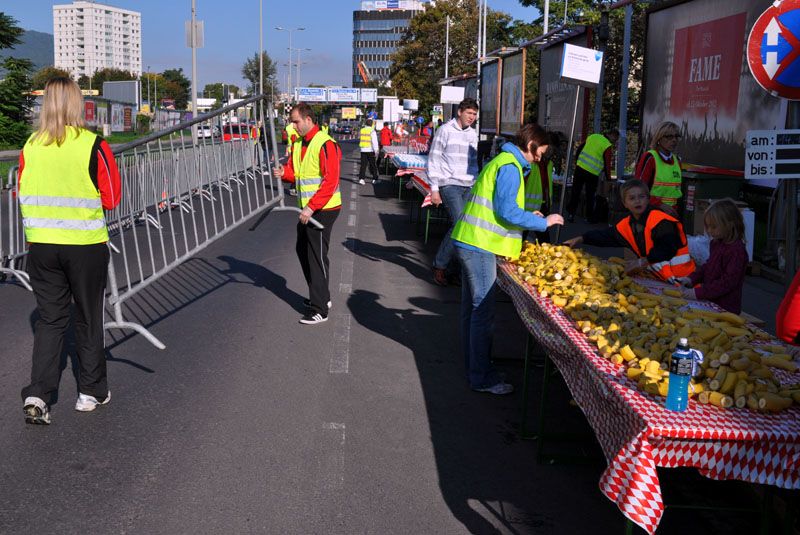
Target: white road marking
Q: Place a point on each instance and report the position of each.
(353, 194)
(353, 206)
(351, 220)
(340, 360)
(333, 474)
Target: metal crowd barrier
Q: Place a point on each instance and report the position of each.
(182, 188)
(12, 238)
(179, 196)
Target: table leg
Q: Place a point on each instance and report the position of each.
(523, 426)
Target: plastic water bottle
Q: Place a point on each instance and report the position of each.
(681, 368)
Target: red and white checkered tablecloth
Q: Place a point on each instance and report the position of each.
(638, 434)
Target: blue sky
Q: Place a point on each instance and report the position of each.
(231, 33)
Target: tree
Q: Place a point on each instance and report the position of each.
(15, 100)
(177, 87)
(9, 31)
(418, 63)
(217, 91)
(45, 74)
(250, 73)
(155, 84)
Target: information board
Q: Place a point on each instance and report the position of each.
(512, 97)
(772, 154)
(490, 97)
(344, 94)
(310, 94)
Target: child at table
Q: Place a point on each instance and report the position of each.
(656, 237)
(721, 278)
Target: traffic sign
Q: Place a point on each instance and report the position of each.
(772, 154)
(773, 49)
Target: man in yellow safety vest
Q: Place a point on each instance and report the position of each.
(594, 157)
(314, 167)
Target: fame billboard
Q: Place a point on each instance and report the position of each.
(490, 97)
(512, 97)
(696, 76)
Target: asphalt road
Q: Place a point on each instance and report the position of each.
(250, 422)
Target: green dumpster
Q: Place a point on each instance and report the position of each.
(701, 183)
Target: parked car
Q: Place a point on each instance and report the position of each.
(235, 131)
(208, 131)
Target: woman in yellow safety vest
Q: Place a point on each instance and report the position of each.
(67, 176)
(491, 225)
(660, 167)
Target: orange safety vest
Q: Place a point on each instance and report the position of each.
(681, 265)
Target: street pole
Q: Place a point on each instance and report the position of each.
(623, 100)
(298, 63)
(260, 48)
(447, 50)
(149, 102)
(194, 69)
(546, 16)
(602, 35)
(478, 90)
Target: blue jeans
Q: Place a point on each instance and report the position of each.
(478, 275)
(454, 199)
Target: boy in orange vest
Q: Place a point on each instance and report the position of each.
(656, 237)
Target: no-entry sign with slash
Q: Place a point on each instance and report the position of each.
(773, 49)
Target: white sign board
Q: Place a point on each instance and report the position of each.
(310, 94)
(581, 65)
(369, 95)
(410, 104)
(772, 154)
(343, 94)
(391, 110)
(451, 94)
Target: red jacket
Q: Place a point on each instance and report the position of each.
(102, 170)
(787, 320)
(329, 158)
(386, 136)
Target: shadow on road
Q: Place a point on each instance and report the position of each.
(465, 430)
(262, 277)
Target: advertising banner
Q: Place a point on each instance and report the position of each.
(89, 114)
(513, 93)
(117, 119)
(557, 98)
(102, 113)
(696, 77)
(343, 94)
(127, 118)
(310, 94)
(348, 113)
(490, 97)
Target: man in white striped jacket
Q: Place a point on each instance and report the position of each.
(452, 170)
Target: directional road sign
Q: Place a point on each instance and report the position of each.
(773, 49)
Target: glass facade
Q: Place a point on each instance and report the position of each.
(376, 35)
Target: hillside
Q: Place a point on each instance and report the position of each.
(35, 46)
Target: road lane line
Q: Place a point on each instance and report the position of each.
(351, 220)
(333, 474)
(340, 360)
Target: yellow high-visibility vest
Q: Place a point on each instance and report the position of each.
(58, 200)
(308, 176)
(591, 157)
(479, 224)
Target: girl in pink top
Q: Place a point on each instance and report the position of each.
(721, 278)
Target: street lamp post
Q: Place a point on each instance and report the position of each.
(298, 63)
(290, 30)
(149, 102)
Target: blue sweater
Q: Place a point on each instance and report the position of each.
(505, 197)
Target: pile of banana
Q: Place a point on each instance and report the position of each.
(639, 330)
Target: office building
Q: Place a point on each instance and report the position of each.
(377, 29)
(89, 36)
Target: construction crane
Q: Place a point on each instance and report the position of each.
(364, 72)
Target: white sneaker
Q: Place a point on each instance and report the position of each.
(361, 182)
(87, 403)
(498, 389)
(36, 411)
(374, 180)
(307, 303)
